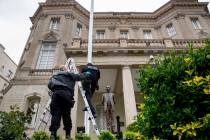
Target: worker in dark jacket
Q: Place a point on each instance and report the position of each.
(62, 85)
(91, 85)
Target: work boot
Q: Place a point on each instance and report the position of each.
(53, 135)
(68, 137)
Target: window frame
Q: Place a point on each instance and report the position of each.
(100, 34)
(124, 34)
(146, 35)
(34, 113)
(196, 23)
(54, 23)
(9, 74)
(171, 30)
(78, 31)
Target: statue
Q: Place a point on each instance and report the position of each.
(108, 102)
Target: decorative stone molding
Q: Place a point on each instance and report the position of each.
(124, 20)
(135, 28)
(51, 36)
(203, 34)
(43, 16)
(65, 45)
(157, 27)
(168, 43)
(206, 15)
(180, 16)
(123, 42)
(112, 27)
(76, 43)
(69, 16)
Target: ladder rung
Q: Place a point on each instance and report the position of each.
(44, 122)
(47, 109)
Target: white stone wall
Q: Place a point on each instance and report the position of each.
(7, 63)
(18, 95)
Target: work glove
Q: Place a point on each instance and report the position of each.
(97, 87)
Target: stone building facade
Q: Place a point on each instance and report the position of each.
(121, 42)
(7, 71)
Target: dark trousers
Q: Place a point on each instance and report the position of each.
(89, 91)
(61, 107)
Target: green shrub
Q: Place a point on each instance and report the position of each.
(12, 124)
(40, 136)
(130, 135)
(82, 136)
(133, 127)
(106, 135)
(176, 96)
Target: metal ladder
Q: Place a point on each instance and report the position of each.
(46, 116)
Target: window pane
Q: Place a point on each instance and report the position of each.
(171, 30)
(147, 34)
(196, 23)
(54, 23)
(100, 34)
(46, 56)
(124, 34)
(78, 30)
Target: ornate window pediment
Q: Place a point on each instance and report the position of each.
(51, 36)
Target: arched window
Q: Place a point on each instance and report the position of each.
(32, 110)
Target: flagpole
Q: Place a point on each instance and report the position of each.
(89, 60)
(90, 34)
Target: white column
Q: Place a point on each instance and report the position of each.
(129, 95)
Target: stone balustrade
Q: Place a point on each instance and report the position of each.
(138, 43)
(180, 43)
(41, 72)
(142, 43)
(102, 43)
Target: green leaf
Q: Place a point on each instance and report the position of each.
(189, 72)
(175, 132)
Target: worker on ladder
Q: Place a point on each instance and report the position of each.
(91, 85)
(62, 85)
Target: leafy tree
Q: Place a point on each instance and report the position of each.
(12, 124)
(177, 96)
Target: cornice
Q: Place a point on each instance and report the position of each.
(123, 15)
(152, 15)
